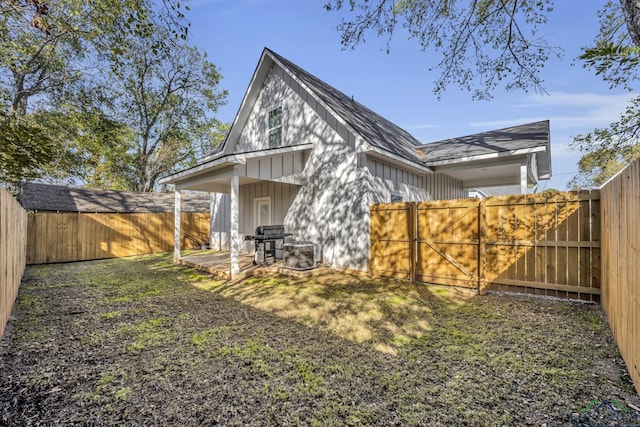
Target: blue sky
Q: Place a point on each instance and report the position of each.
(399, 85)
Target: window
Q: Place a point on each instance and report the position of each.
(275, 127)
(262, 211)
(396, 198)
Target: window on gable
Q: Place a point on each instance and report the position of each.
(275, 127)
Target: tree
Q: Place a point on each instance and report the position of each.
(485, 43)
(481, 44)
(165, 95)
(615, 57)
(111, 86)
(597, 165)
(93, 149)
(25, 145)
(46, 44)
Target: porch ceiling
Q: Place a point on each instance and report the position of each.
(486, 173)
(215, 185)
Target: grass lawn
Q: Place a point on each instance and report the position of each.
(141, 341)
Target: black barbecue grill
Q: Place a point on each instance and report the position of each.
(266, 237)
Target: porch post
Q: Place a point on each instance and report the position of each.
(176, 226)
(235, 207)
(212, 204)
(523, 178)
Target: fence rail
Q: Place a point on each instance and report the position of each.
(72, 236)
(545, 244)
(621, 263)
(13, 253)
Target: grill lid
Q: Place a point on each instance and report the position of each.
(270, 230)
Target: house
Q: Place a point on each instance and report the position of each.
(303, 154)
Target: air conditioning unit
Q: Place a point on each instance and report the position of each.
(301, 255)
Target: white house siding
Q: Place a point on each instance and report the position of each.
(332, 207)
(444, 187)
(298, 125)
(282, 196)
(273, 167)
(392, 180)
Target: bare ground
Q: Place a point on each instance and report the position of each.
(140, 341)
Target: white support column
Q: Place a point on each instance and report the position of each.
(523, 178)
(176, 227)
(235, 207)
(212, 209)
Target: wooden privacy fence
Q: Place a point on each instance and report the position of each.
(13, 253)
(621, 263)
(77, 236)
(545, 244)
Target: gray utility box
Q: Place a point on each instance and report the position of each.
(299, 255)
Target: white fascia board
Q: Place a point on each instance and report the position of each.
(250, 96)
(376, 152)
(199, 170)
(274, 151)
(487, 156)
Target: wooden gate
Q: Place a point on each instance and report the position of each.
(545, 244)
(447, 242)
(392, 237)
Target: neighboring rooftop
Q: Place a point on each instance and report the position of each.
(46, 197)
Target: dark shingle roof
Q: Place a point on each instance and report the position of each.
(496, 141)
(45, 197)
(374, 128)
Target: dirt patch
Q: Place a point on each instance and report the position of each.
(144, 342)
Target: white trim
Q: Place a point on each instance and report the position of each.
(486, 156)
(235, 244)
(176, 226)
(231, 160)
(524, 178)
(395, 159)
(281, 126)
(256, 203)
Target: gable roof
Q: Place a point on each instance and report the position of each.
(372, 127)
(522, 139)
(46, 197)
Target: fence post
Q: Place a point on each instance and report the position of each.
(413, 227)
(482, 248)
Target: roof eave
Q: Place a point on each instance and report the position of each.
(487, 156)
(377, 152)
(226, 161)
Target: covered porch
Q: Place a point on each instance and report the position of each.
(246, 190)
(516, 157)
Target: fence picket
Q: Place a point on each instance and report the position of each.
(528, 243)
(72, 236)
(13, 253)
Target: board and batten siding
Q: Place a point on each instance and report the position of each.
(273, 167)
(332, 207)
(282, 196)
(444, 187)
(415, 187)
(394, 174)
(301, 114)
